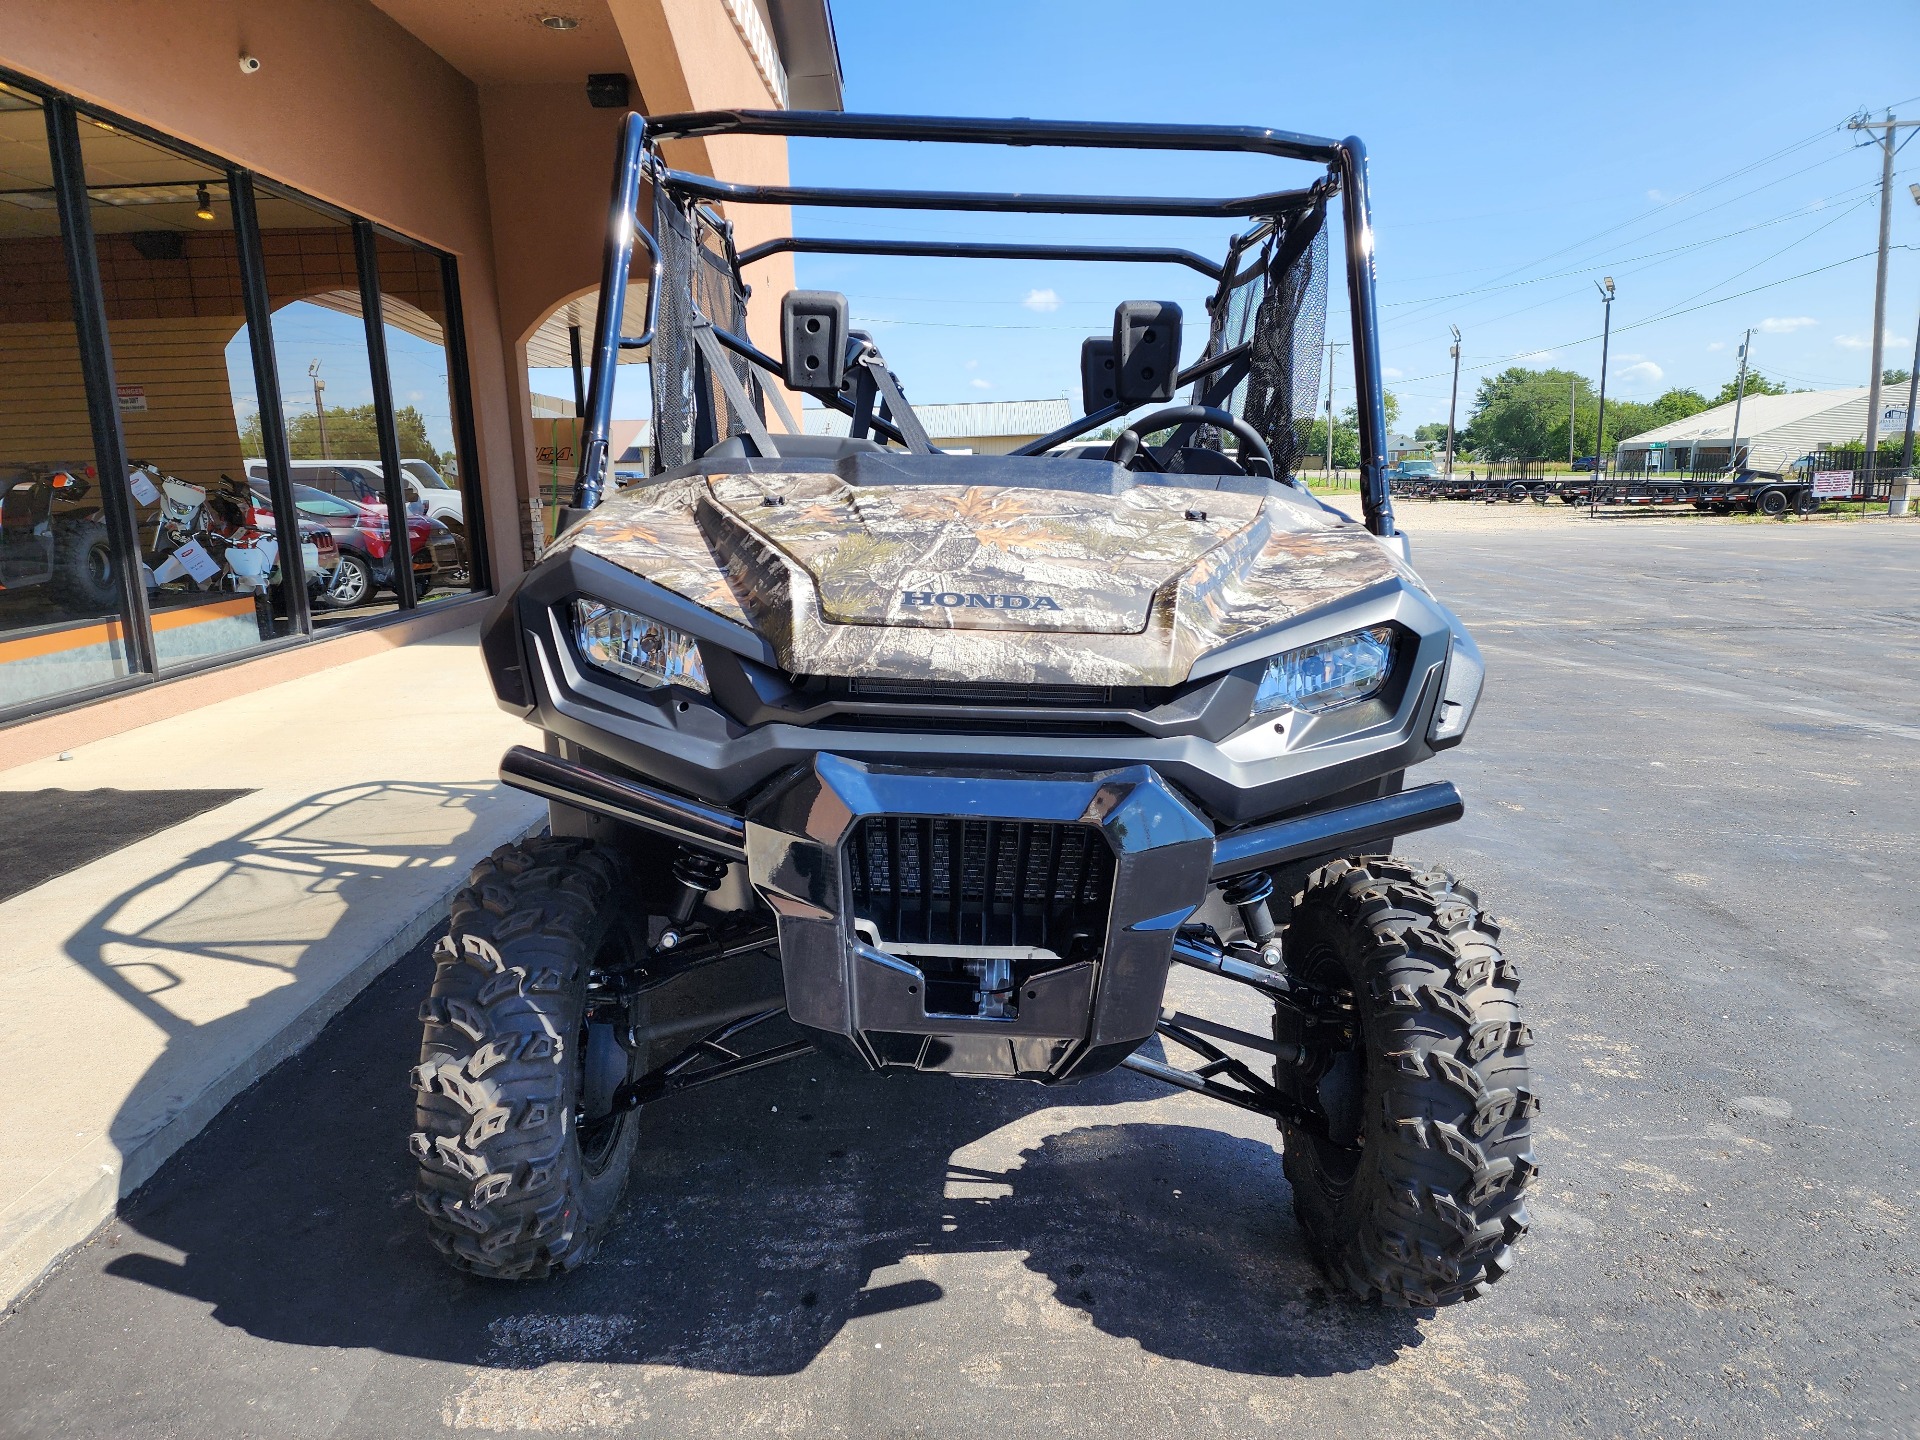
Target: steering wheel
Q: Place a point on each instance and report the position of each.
(1126, 445)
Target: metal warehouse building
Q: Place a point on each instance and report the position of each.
(1775, 430)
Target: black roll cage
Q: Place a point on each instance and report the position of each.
(639, 160)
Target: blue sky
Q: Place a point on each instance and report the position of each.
(303, 333)
(1691, 151)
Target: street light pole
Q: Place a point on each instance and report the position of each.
(1739, 396)
(1454, 404)
(1605, 288)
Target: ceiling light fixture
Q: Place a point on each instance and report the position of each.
(205, 212)
(560, 22)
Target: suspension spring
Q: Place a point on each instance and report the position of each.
(1249, 895)
(699, 876)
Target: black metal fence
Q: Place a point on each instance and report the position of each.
(1869, 483)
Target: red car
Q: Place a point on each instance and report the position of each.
(365, 542)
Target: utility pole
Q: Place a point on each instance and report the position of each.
(319, 407)
(1739, 396)
(1454, 404)
(1885, 142)
(1332, 346)
(1606, 338)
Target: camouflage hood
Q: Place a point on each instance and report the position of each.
(978, 582)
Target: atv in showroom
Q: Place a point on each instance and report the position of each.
(940, 762)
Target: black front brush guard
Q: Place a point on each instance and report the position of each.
(1340, 830)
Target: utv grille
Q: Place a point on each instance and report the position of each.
(981, 882)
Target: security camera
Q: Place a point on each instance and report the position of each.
(248, 63)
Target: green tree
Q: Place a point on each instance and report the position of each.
(351, 435)
(1679, 404)
(1757, 384)
(1521, 414)
(1895, 377)
(1346, 444)
(1434, 432)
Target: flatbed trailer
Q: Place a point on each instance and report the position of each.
(1514, 481)
(1753, 492)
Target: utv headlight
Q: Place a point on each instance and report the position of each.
(1328, 673)
(636, 647)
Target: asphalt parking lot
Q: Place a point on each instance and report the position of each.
(1692, 795)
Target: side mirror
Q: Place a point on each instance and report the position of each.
(1097, 378)
(813, 340)
(1146, 350)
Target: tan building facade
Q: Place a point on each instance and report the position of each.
(272, 261)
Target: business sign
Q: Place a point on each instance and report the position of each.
(1832, 484)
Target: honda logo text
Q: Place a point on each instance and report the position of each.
(954, 600)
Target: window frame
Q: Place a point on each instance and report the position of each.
(62, 114)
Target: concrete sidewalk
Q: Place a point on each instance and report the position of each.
(141, 992)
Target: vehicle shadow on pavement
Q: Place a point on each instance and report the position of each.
(216, 952)
(764, 1216)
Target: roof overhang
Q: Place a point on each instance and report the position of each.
(803, 30)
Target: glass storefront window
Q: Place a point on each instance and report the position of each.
(62, 627)
(183, 371)
(180, 555)
(326, 383)
(413, 312)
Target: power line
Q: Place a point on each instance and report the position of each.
(1524, 309)
(1670, 315)
(1758, 263)
(1692, 194)
(1798, 212)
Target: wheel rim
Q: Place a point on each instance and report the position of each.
(596, 1048)
(99, 565)
(1343, 1083)
(349, 581)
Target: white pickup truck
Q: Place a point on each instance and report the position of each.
(364, 482)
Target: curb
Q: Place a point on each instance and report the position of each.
(33, 1245)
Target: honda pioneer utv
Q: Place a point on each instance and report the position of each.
(940, 762)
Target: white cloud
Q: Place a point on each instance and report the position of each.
(978, 384)
(1041, 300)
(973, 364)
(1656, 195)
(1391, 373)
(1785, 324)
(1644, 370)
(1539, 357)
(1865, 342)
(1716, 345)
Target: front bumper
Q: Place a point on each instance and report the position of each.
(1077, 1016)
(875, 966)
